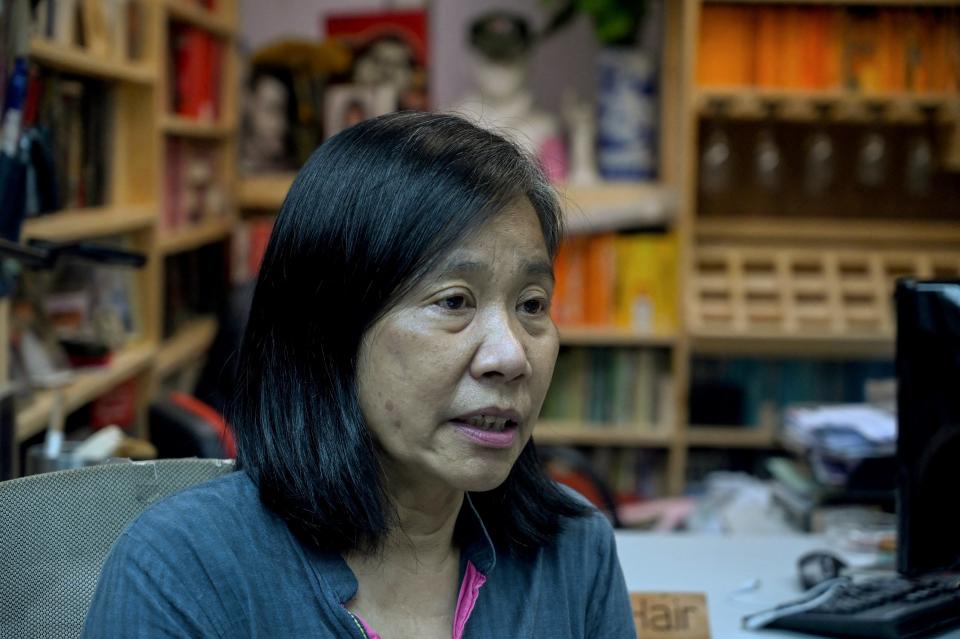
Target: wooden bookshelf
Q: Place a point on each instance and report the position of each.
(76, 60)
(186, 346)
(79, 224)
(611, 336)
(583, 434)
(87, 386)
(199, 129)
(191, 13)
(135, 185)
(194, 236)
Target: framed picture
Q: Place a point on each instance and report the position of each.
(389, 47)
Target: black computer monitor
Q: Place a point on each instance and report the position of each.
(928, 437)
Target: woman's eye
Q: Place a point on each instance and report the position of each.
(534, 306)
(453, 302)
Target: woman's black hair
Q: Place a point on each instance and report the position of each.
(373, 209)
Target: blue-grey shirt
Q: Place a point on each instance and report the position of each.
(213, 561)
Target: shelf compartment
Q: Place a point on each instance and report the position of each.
(79, 224)
(198, 129)
(582, 434)
(611, 336)
(186, 346)
(610, 206)
(846, 105)
(730, 437)
(76, 60)
(825, 301)
(87, 386)
(189, 12)
(194, 236)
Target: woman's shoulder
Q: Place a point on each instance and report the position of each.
(592, 526)
(214, 511)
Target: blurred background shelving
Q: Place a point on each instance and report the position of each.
(725, 272)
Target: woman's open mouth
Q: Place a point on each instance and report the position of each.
(488, 430)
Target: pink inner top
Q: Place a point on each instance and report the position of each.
(473, 580)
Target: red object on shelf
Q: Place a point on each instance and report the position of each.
(118, 407)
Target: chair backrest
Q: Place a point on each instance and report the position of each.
(57, 528)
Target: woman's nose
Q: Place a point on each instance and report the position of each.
(501, 353)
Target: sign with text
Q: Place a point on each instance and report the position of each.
(670, 615)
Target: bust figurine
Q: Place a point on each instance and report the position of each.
(500, 44)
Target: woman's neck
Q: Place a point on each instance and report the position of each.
(415, 574)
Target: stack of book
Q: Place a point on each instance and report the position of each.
(74, 125)
(621, 387)
(627, 280)
(196, 58)
(103, 28)
(856, 48)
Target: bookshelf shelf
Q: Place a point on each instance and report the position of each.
(187, 128)
(780, 343)
(76, 60)
(819, 230)
(189, 343)
(731, 437)
(87, 386)
(576, 433)
(611, 205)
(195, 236)
(801, 104)
(263, 192)
(78, 224)
(611, 336)
(188, 11)
(588, 209)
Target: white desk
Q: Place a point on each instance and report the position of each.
(719, 566)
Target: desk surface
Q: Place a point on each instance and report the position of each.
(721, 567)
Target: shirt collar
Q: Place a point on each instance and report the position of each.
(476, 546)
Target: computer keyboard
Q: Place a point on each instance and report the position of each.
(881, 608)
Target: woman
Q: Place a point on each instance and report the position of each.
(398, 351)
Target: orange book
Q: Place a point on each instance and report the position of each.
(600, 272)
(767, 55)
(943, 51)
(819, 66)
(792, 46)
(725, 56)
(891, 43)
(567, 306)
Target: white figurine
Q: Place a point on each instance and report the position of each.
(582, 126)
(502, 100)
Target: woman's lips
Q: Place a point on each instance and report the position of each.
(489, 438)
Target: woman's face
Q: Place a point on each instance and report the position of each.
(452, 378)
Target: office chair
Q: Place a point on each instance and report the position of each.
(57, 528)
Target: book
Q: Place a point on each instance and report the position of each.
(725, 53)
